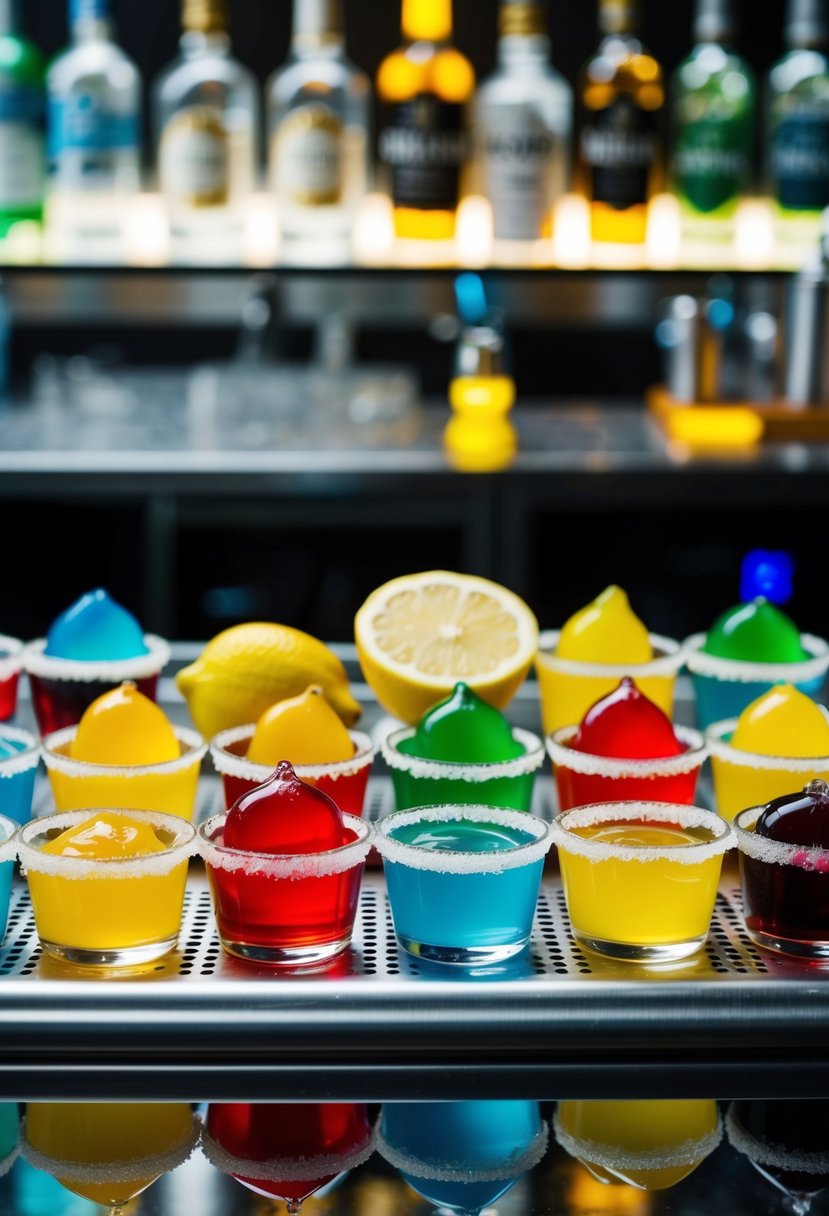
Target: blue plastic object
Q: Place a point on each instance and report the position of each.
(95, 629)
(769, 573)
(470, 296)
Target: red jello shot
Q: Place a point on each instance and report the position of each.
(625, 749)
(11, 661)
(344, 781)
(284, 866)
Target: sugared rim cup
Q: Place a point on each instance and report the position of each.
(87, 671)
(694, 756)
(452, 861)
(441, 1170)
(193, 747)
(292, 866)
(776, 1156)
(8, 1161)
(608, 1156)
(27, 758)
(133, 1169)
(742, 671)
(776, 852)
(286, 1169)
(9, 835)
(473, 772)
(638, 811)
(11, 657)
(230, 764)
(720, 749)
(154, 865)
(670, 656)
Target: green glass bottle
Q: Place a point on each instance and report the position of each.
(714, 98)
(22, 154)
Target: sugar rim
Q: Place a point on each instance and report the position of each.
(55, 761)
(742, 671)
(776, 1155)
(22, 761)
(453, 861)
(776, 852)
(722, 750)
(151, 865)
(474, 773)
(669, 659)
(86, 671)
(658, 812)
(8, 1161)
(591, 765)
(689, 1152)
(133, 1170)
(9, 841)
(287, 865)
(229, 764)
(443, 1171)
(285, 1169)
(11, 656)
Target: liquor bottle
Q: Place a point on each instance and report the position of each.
(94, 128)
(523, 125)
(713, 97)
(22, 149)
(206, 121)
(423, 89)
(798, 121)
(620, 145)
(318, 123)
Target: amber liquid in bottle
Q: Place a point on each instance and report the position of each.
(620, 154)
(423, 145)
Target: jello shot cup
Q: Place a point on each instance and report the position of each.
(640, 878)
(170, 786)
(582, 778)
(568, 687)
(724, 687)
(785, 891)
(9, 831)
(19, 759)
(507, 784)
(463, 881)
(344, 781)
(11, 664)
(108, 912)
(285, 909)
(742, 779)
(63, 688)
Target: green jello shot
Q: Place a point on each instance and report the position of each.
(755, 632)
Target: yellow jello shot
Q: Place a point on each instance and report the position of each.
(640, 878)
(779, 743)
(124, 752)
(107, 887)
(597, 647)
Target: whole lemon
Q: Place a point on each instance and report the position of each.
(247, 668)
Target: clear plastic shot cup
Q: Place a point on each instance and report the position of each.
(11, 663)
(170, 786)
(463, 881)
(568, 687)
(19, 760)
(640, 878)
(742, 778)
(9, 830)
(107, 912)
(344, 781)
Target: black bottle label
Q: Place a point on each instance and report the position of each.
(800, 158)
(619, 147)
(424, 145)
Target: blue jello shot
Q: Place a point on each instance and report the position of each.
(19, 758)
(8, 855)
(463, 881)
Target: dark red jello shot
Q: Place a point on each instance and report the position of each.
(784, 866)
(285, 866)
(11, 661)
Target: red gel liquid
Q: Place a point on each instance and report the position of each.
(8, 696)
(582, 789)
(788, 1126)
(59, 703)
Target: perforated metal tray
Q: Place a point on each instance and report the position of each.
(378, 1025)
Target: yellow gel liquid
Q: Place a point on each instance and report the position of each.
(631, 1127)
(783, 722)
(640, 903)
(303, 730)
(107, 1133)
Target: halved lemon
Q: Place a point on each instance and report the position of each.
(418, 635)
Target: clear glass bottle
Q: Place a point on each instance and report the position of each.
(798, 123)
(713, 95)
(423, 89)
(22, 147)
(523, 126)
(620, 146)
(206, 116)
(94, 131)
